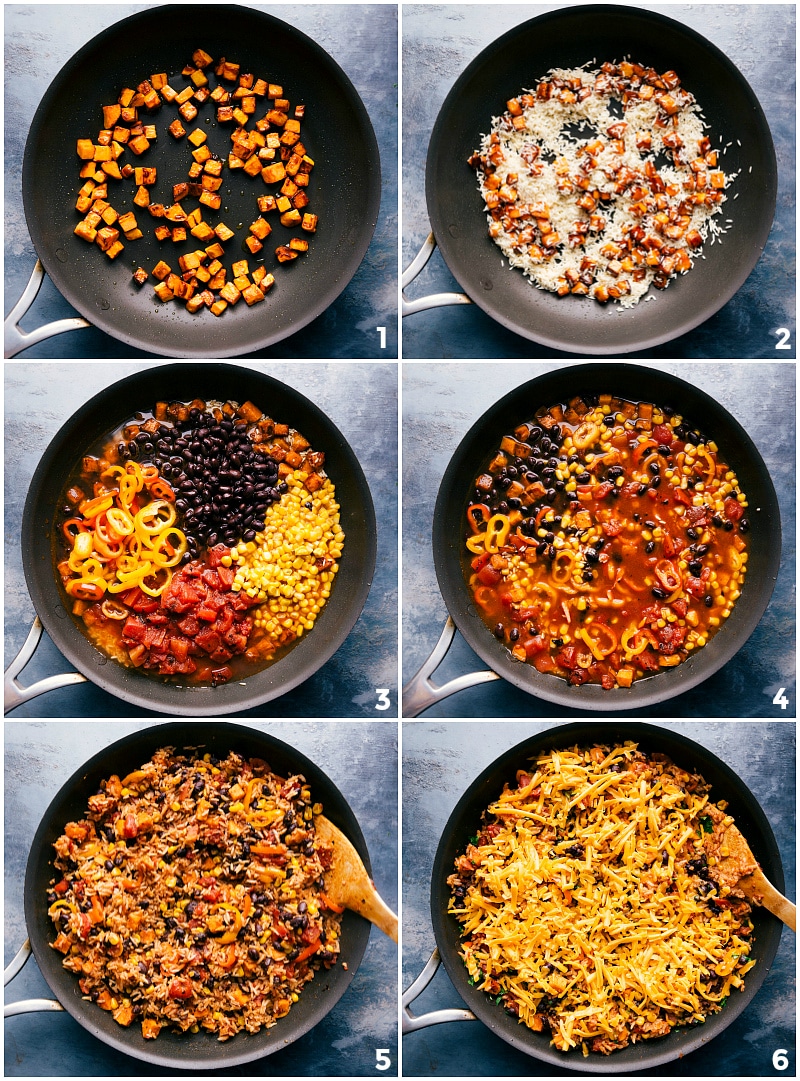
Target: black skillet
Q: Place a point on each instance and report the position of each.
(637, 383)
(198, 1051)
(463, 823)
(183, 382)
(572, 37)
(344, 189)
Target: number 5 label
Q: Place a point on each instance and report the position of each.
(382, 1060)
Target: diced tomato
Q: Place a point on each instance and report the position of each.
(180, 989)
(480, 560)
(670, 546)
(62, 886)
(680, 495)
(488, 575)
(207, 614)
(535, 645)
(226, 576)
(134, 628)
(696, 587)
(602, 490)
(543, 662)
(733, 510)
(567, 657)
(680, 606)
(613, 527)
(648, 661)
(189, 626)
(663, 435)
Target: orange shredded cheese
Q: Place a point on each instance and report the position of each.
(588, 907)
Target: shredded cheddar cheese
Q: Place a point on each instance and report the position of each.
(587, 904)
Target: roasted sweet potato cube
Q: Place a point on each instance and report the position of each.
(228, 71)
(142, 196)
(284, 254)
(261, 228)
(214, 251)
(223, 232)
(224, 114)
(190, 261)
(300, 200)
(177, 129)
(140, 275)
(139, 144)
(101, 153)
(175, 213)
(253, 245)
(240, 268)
(126, 96)
(161, 270)
(218, 307)
(159, 81)
(201, 59)
(211, 199)
(266, 203)
(188, 111)
(162, 232)
(201, 155)
(259, 274)
(253, 166)
(150, 132)
(109, 214)
(301, 180)
(83, 203)
(110, 168)
(198, 79)
(163, 292)
(290, 218)
(230, 293)
(298, 243)
(288, 140)
(252, 295)
(272, 174)
(179, 191)
(168, 94)
(235, 162)
(210, 183)
(179, 234)
(217, 280)
(282, 104)
(157, 210)
(213, 167)
(197, 137)
(127, 221)
(195, 303)
(85, 231)
(241, 282)
(309, 223)
(115, 249)
(202, 231)
(93, 218)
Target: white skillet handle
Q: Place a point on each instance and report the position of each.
(26, 1005)
(412, 1022)
(420, 692)
(17, 340)
(14, 694)
(435, 300)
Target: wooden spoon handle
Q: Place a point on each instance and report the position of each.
(758, 886)
(373, 907)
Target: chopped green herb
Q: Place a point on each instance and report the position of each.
(707, 824)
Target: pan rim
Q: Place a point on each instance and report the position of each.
(654, 736)
(570, 340)
(181, 699)
(186, 735)
(453, 588)
(350, 253)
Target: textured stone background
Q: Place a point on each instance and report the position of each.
(440, 404)
(360, 759)
(440, 40)
(360, 399)
(361, 38)
(441, 760)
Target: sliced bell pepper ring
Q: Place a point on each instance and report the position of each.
(72, 527)
(307, 952)
(668, 575)
(86, 589)
(642, 448)
(120, 521)
(497, 530)
(90, 508)
(478, 516)
(161, 490)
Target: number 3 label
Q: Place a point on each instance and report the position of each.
(383, 698)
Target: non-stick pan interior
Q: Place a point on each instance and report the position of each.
(184, 382)
(344, 188)
(573, 37)
(463, 824)
(201, 1050)
(639, 384)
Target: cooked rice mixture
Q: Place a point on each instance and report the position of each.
(192, 895)
(588, 902)
(602, 182)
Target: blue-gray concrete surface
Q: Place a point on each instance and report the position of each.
(360, 759)
(440, 404)
(362, 38)
(439, 41)
(441, 760)
(360, 399)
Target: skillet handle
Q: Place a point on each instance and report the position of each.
(17, 340)
(435, 300)
(412, 1022)
(420, 693)
(14, 694)
(26, 1005)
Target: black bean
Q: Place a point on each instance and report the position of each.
(744, 525)
(659, 594)
(696, 568)
(513, 634)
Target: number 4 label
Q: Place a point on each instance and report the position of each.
(383, 1062)
(781, 700)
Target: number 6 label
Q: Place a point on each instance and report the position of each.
(779, 1059)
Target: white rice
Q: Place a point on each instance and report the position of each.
(529, 160)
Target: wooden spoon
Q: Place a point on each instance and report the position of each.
(739, 870)
(347, 883)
